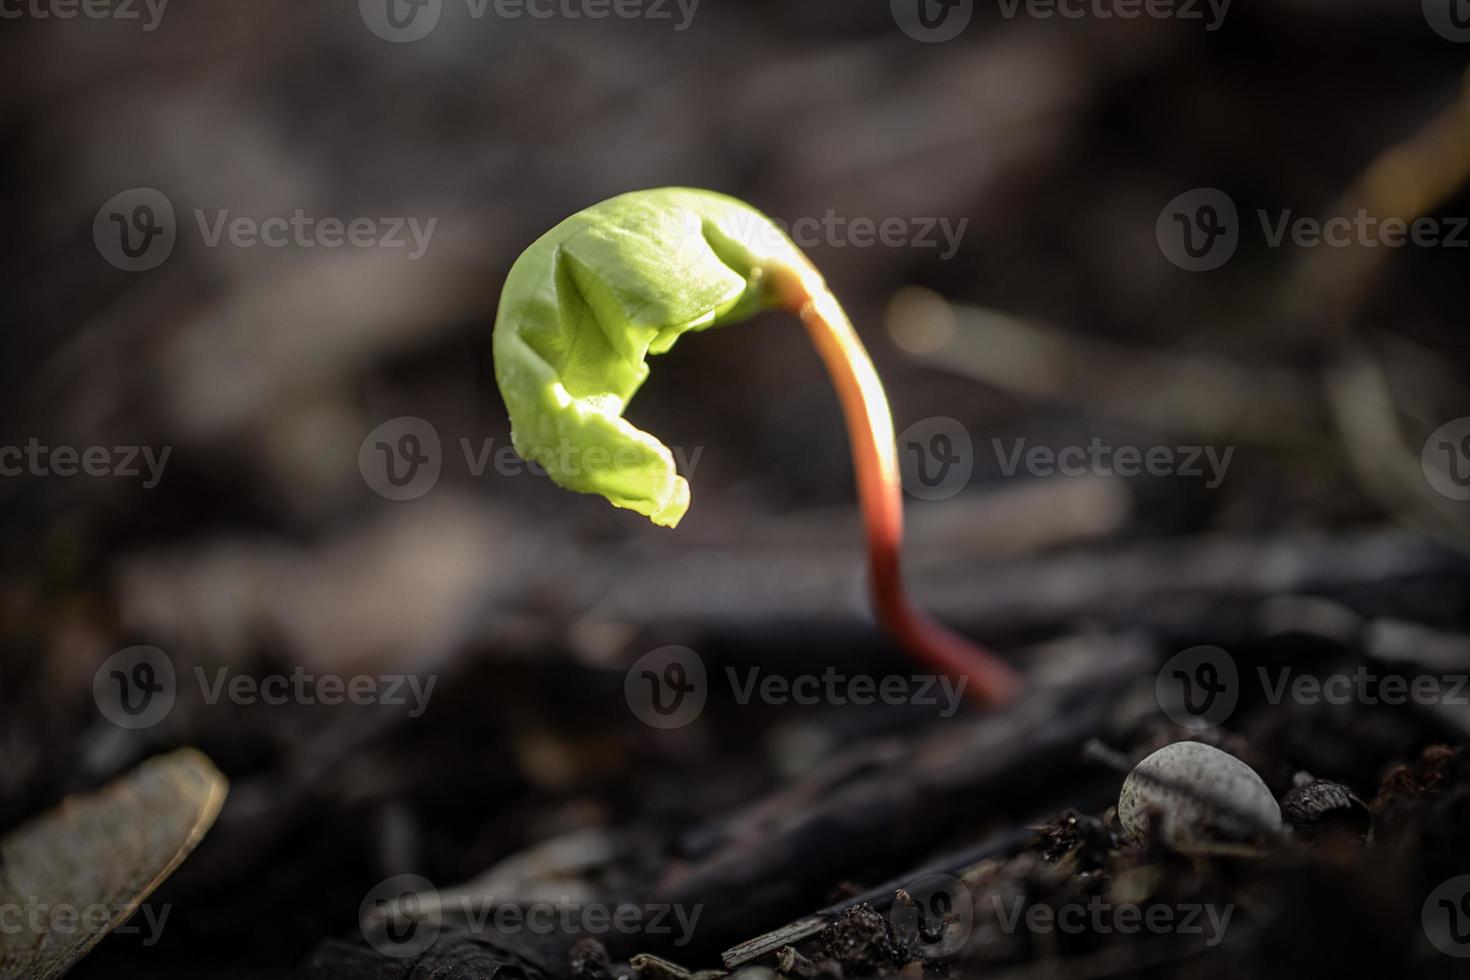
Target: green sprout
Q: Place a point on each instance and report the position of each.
(586, 304)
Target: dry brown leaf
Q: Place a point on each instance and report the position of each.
(74, 874)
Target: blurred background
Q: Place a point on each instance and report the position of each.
(248, 242)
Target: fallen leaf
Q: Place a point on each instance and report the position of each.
(76, 873)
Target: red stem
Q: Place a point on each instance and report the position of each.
(880, 490)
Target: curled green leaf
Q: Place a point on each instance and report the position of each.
(586, 304)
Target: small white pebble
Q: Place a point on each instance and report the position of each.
(1199, 794)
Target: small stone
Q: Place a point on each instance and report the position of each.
(589, 960)
(1086, 840)
(862, 940)
(1194, 793)
(1317, 807)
